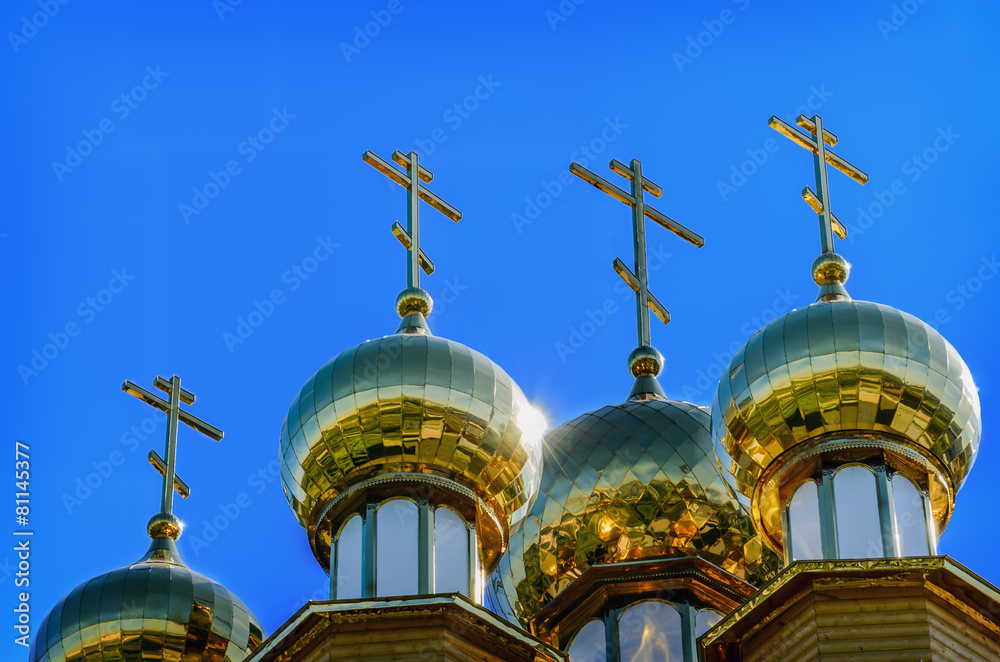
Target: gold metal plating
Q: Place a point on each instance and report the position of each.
(846, 369)
(409, 402)
(830, 267)
(164, 525)
(155, 610)
(645, 362)
(636, 480)
(414, 300)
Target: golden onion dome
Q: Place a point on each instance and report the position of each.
(635, 480)
(405, 404)
(155, 610)
(840, 369)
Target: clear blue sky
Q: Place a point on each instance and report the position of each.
(137, 106)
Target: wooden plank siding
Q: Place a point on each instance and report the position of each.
(855, 619)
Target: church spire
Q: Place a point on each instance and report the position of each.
(645, 363)
(830, 270)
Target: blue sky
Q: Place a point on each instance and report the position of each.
(171, 165)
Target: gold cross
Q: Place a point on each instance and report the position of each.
(166, 468)
(638, 281)
(820, 203)
(410, 179)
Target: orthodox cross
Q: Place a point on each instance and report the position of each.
(410, 179)
(638, 281)
(171, 481)
(820, 202)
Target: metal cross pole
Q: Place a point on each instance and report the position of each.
(639, 282)
(816, 142)
(410, 179)
(175, 414)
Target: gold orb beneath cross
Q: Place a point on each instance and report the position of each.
(414, 300)
(645, 361)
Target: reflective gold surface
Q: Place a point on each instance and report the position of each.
(645, 362)
(635, 480)
(409, 402)
(830, 266)
(844, 367)
(414, 300)
(155, 610)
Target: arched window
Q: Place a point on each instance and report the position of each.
(651, 632)
(705, 620)
(911, 527)
(803, 522)
(859, 534)
(348, 559)
(396, 569)
(589, 644)
(451, 552)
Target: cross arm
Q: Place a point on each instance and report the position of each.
(817, 206)
(376, 161)
(403, 180)
(618, 167)
(809, 142)
(404, 238)
(179, 485)
(156, 401)
(187, 397)
(404, 160)
(828, 136)
(633, 282)
(674, 227)
(601, 184)
(621, 196)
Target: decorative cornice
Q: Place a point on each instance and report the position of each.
(757, 613)
(731, 589)
(316, 618)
